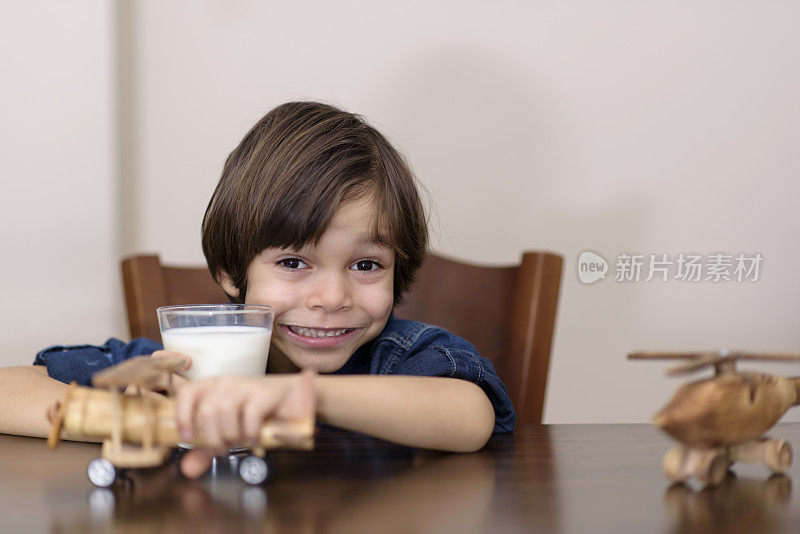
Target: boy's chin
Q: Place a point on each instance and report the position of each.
(321, 363)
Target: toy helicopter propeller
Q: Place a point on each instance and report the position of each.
(139, 430)
(723, 419)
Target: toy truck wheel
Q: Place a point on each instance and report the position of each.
(709, 466)
(101, 472)
(674, 464)
(714, 468)
(778, 455)
(253, 470)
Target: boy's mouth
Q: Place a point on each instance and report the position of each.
(320, 338)
(318, 332)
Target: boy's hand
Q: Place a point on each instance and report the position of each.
(163, 385)
(229, 411)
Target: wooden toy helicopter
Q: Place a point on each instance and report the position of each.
(722, 420)
(139, 430)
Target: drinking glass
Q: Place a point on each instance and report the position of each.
(221, 339)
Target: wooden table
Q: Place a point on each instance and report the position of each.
(559, 478)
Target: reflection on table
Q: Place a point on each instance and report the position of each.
(564, 478)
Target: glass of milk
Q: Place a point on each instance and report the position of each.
(221, 339)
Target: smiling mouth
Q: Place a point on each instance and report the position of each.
(319, 332)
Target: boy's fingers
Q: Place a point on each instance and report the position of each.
(228, 404)
(196, 462)
(207, 423)
(177, 380)
(187, 360)
(185, 406)
(221, 412)
(255, 411)
(301, 400)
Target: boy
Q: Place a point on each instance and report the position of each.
(318, 216)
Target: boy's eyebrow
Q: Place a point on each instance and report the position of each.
(371, 239)
(362, 240)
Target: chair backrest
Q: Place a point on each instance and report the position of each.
(149, 285)
(508, 313)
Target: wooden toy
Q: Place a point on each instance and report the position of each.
(138, 427)
(723, 419)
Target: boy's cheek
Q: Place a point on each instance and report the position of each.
(379, 300)
(276, 295)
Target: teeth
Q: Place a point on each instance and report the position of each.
(313, 332)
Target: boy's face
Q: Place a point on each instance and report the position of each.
(329, 298)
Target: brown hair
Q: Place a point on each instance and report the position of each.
(281, 186)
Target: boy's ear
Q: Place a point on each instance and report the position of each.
(227, 284)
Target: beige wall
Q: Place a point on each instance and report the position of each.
(618, 127)
(59, 232)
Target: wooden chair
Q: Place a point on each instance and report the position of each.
(508, 313)
(149, 285)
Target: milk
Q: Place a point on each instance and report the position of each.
(220, 350)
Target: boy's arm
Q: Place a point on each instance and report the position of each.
(420, 411)
(27, 393)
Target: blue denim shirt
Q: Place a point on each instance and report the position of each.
(402, 348)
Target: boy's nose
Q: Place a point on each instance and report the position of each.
(331, 292)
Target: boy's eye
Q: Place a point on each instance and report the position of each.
(366, 265)
(291, 263)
